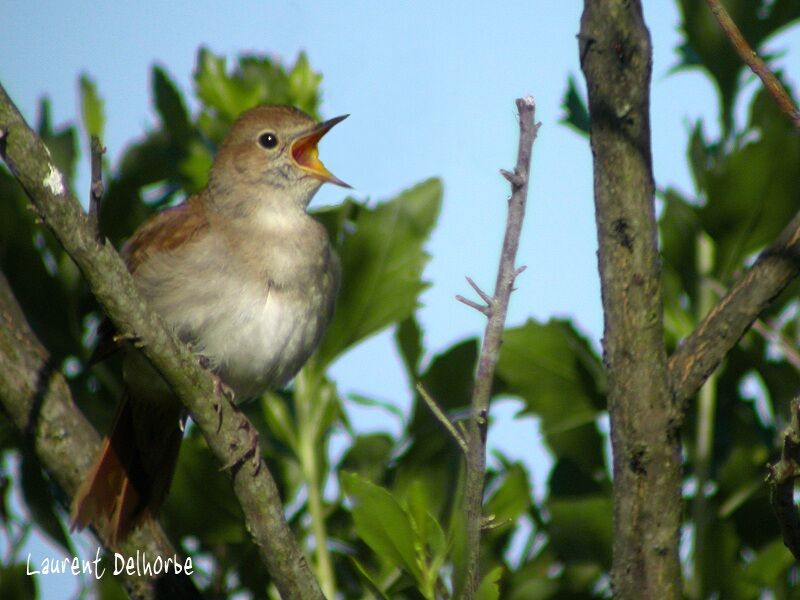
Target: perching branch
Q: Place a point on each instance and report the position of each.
(226, 430)
(781, 479)
(616, 59)
(496, 309)
(753, 60)
(36, 399)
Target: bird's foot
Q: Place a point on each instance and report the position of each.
(252, 450)
(222, 389)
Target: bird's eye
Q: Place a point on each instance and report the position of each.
(268, 140)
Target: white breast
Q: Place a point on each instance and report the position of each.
(256, 332)
(259, 341)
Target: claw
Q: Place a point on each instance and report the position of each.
(251, 451)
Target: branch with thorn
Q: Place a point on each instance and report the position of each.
(495, 310)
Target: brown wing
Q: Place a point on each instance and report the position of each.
(163, 231)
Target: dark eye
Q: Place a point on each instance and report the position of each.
(268, 140)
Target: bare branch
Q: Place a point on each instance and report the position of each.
(114, 288)
(36, 398)
(441, 417)
(700, 353)
(758, 66)
(490, 350)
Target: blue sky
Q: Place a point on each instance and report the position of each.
(430, 87)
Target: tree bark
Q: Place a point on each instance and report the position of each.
(35, 397)
(616, 59)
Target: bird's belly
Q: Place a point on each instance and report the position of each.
(260, 341)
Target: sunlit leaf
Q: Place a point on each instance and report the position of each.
(559, 377)
(94, 119)
(382, 523)
(576, 115)
(170, 105)
(382, 264)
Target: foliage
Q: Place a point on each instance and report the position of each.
(392, 528)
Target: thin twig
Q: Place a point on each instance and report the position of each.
(484, 309)
(772, 335)
(781, 478)
(484, 296)
(442, 418)
(756, 64)
(96, 189)
(490, 350)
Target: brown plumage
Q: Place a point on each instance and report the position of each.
(243, 274)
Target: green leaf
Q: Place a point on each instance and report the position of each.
(170, 106)
(304, 85)
(279, 419)
(679, 227)
(254, 80)
(368, 456)
(510, 500)
(489, 588)
(428, 530)
(389, 407)
(228, 96)
(751, 191)
(551, 367)
(581, 528)
(368, 580)
(382, 266)
(576, 114)
(382, 523)
(768, 568)
(196, 166)
(433, 456)
(40, 502)
(408, 337)
(201, 502)
(16, 584)
(94, 119)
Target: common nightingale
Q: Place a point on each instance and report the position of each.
(243, 274)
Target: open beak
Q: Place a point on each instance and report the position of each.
(305, 153)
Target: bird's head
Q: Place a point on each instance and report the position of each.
(272, 150)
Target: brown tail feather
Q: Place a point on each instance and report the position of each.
(131, 476)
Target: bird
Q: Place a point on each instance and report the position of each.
(244, 275)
